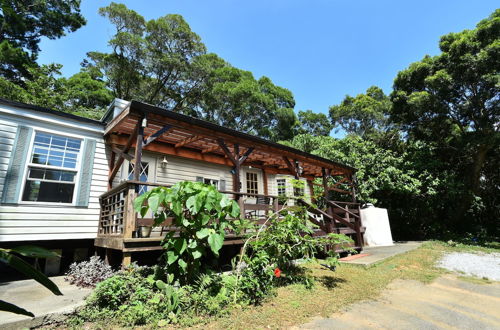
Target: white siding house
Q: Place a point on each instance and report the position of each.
(43, 155)
(54, 167)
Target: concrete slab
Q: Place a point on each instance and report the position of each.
(372, 255)
(35, 298)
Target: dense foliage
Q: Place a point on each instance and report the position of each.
(200, 216)
(180, 290)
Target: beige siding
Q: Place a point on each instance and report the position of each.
(44, 222)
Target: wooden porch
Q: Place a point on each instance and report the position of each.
(119, 224)
(141, 127)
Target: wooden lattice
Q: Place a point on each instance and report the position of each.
(112, 216)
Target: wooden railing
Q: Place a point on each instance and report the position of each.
(119, 220)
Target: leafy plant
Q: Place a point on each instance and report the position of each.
(270, 253)
(87, 274)
(199, 214)
(9, 257)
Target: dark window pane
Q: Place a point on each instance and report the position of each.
(53, 175)
(67, 176)
(39, 191)
(39, 159)
(36, 173)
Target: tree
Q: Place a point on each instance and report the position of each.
(154, 61)
(163, 62)
(22, 25)
(81, 94)
(364, 114)
(452, 101)
(389, 179)
(314, 123)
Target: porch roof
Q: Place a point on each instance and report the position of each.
(185, 136)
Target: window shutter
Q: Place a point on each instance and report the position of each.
(17, 164)
(86, 168)
(222, 185)
(199, 179)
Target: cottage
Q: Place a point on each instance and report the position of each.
(68, 182)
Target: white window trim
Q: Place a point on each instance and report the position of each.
(29, 164)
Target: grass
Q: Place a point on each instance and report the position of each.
(334, 291)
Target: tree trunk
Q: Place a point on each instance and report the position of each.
(472, 181)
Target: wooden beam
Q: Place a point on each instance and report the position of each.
(156, 134)
(245, 155)
(120, 153)
(227, 152)
(210, 149)
(168, 149)
(292, 166)
(188, 140)
(126, 148)
(260, 146)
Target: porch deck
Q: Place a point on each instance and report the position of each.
(119, 223)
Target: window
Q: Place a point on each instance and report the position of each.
(213, 182)
(252, 183)
(298, 188)
(281, 183)
(52, 170)
(143, 175)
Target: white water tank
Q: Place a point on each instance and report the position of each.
(378, 229)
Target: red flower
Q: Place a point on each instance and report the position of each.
(277, 272)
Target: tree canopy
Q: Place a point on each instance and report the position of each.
(22, 25)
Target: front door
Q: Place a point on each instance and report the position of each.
(147, 172)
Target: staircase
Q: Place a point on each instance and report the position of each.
(338, 217)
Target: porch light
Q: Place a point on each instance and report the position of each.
(164, 162)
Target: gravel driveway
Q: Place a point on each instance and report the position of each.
(480, 265)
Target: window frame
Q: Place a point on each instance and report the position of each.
(278, 187)
(29, 164)
(256, 182)
(212, 180)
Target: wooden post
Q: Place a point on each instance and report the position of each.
(237, 169)
(138, 149)
(129, 217)
(264, 179)
(126, 259)
(311, 190)
(326, 173)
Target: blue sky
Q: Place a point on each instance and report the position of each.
(321, 50)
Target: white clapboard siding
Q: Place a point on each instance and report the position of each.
(48, 222)
(181, 169)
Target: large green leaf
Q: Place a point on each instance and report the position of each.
(180, 245)
(34, 252)
(11, 308)
(197, 253)
(28, 270)
(202, 233)
(215, 241)
(235, 209)
(138, 201)
(154, 201)
(182, 264)
(171, 257)
(193, 203)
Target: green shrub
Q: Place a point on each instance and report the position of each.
(200, 215)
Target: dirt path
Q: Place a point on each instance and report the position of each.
(446, 303)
